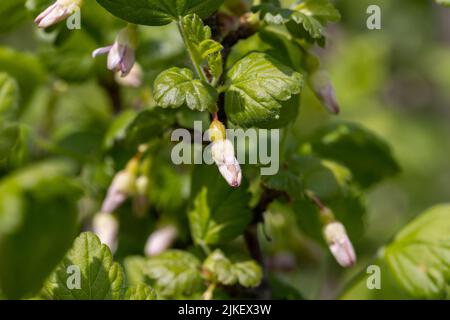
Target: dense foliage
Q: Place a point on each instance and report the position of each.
(88, 184)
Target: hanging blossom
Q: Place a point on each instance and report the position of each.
(223, 154)
(339, 243)
(121, 54)
(106, 227)
(122, 186)
(57, 12)
(160, 240)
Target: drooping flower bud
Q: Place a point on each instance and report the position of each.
(339, 244)
(133, 79)
(160, 240)
(57, 12)
(223, 155)
(324, 90)
(106, 227)
(122, 186)
(121, 54)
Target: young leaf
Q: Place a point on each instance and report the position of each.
(257, 86)
(205, 51)
(38, 222)
(419, 257)
(305, 20)
(220, 268)
(368, 157)
(158, 12)
(176, 87)
(175, 273)
(101, 278)
(140, 292)
(219, 213)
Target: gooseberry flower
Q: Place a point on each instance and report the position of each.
(57, 12)
(339, 244)
(122, 186)
(121, 54)
(160, 240)
(223, 154)
(324, 90)
(106, 227)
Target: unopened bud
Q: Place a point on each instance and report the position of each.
(160, 240)
(339, 244)
(324, 90)
(223, 156)
(106, 227)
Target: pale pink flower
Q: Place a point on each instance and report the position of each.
(57, 12)
(223, 155)
(340, 244)
(121, 54)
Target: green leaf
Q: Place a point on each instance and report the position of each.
(368, 157)
(225, 271)
(9, 96)
(157, 12)
(305, 20)
(135, 270)
(38, 221)
(419, 257)
(257, 86)
(140, 292)
(284, 181)
(205, 51)
(175, 273)
(219, 213)
(176, 87)
(101, 278)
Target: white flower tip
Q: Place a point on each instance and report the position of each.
(223, 156)
(340, 244)
(231, 173)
